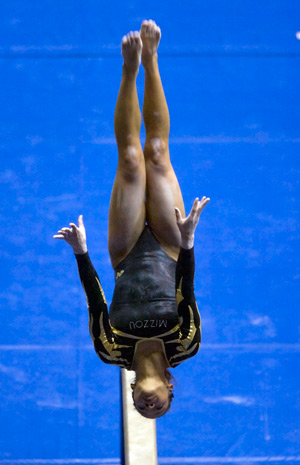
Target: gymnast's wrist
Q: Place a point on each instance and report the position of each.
(187, 242)
(80, 250)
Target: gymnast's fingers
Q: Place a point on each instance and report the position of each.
(58, 236)
(205, 199)
(194, 211)
(204, 202)
(178, 215)
(195, 205)
(63, 231)
(80, 221)
(73, 227)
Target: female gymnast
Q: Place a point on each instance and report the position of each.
(153, 322)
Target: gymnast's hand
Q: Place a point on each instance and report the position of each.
(75, 236)
(187, 226)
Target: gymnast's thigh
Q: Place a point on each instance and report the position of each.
(163, 194)
(127, 213)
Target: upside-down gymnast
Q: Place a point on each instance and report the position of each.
(153, 322)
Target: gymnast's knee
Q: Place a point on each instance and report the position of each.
(156, 151)
(130, 160)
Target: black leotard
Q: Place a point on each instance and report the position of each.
(153, 298)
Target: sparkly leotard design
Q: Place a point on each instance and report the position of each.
(153, 298)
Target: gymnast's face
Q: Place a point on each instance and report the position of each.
(151, 397)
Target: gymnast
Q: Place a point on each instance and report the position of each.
(153, 323)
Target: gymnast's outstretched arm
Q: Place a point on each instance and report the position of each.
(99, 325)
(189, 317)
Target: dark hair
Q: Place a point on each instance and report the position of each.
(168, 375)
(170, 378)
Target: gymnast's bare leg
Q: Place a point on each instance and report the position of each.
(127, 212)
(162, 191)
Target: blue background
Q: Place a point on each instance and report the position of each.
(231, 76)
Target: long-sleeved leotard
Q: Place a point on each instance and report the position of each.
(144, 312)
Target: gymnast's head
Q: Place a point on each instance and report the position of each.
(152, 395)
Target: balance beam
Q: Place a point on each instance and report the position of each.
(140, 446)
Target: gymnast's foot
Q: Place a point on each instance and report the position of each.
(131, 51)
(150, 35)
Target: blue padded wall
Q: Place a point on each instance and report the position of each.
(231, 76)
